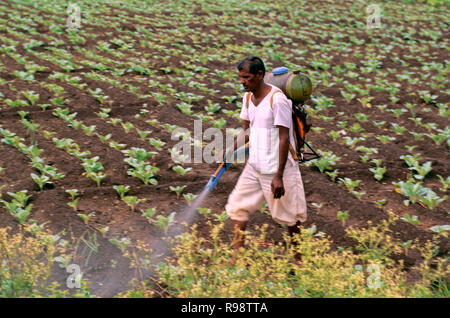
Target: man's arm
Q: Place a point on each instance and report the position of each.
(277, 182)
(283, 133)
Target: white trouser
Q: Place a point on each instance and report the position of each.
(253, 188)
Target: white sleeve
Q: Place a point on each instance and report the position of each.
(282, 111)
(244, 109)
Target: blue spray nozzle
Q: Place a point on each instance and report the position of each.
(212, 183)
(242, 151)
(215, 178)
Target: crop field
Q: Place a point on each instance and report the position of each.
(92, 93)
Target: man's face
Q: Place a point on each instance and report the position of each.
(248, 80)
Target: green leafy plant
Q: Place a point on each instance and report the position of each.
(212, 108)
(86, 217)
(115, 121)
(427, 97)
(143, 133)
(382, 107)
(356, 128)
(97, 177)
(122, 244)
(127, 126)
(399, 130)
(379, 124)
(165, 222)
(422, 170)
(148, 214)
(157, 143)
(181, 170)
(177, 190)
(438, 138)
(414, 191)
(364, 158)
(121, 190)
(362, 117)
(20, 197)
(414, 165)
(381, 202)
(74, 197)
(318, 206)
(358, 194)
(385, 139)
(88, 130)
(398, 111)
(185, 108)
(104, 113)
(18, 207)
(378, 172)
(132, 201)
(326, 161)
(204, 211)
(431, 199)
(189, 197)
(343, 216)
(140, 154)
(440, 229)
(366, 150)
(16, 103)
(365, 101)
(347, 96)
(445, 183)
(333, 174)
(411, 219)
(144, 172)
(32, 96)
(41, 180)
(104, 139)
(116, 145)
(349, 141)
(219, 123)
(334, 134)
(349, 183)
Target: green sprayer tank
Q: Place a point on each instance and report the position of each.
(295, 85)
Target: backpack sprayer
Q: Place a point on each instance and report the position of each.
(297, 87)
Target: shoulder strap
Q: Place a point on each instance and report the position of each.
(293, 153)
(271, 97)
(249, 94)
(247, 103)
(291, 148)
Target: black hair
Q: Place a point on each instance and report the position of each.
(254, 64)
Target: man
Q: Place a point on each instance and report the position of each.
(271, 173)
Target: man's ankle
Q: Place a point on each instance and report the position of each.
(294, 229)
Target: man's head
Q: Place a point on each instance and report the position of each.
(251, 72)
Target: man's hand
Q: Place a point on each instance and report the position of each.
(277, 186)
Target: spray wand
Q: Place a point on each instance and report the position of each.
(224, 166)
